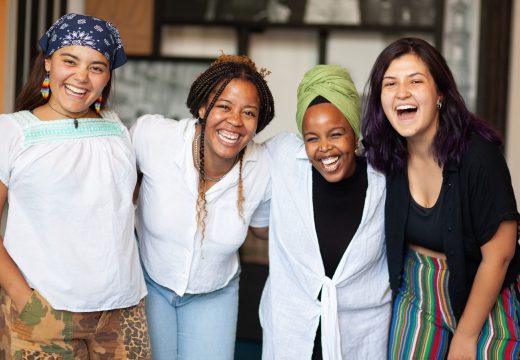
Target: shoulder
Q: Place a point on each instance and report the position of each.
(482, 155)
(284, 144)
(13, 124)
(157, 126)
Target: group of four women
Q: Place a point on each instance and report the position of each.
(419, 216)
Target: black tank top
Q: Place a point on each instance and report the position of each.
(424, 227)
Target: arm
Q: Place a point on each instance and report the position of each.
(496, 255)
(11, 279)
(261, 233)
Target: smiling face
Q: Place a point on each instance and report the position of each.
(330, 142)
(77, 77)
(409, 96)
(232, 122)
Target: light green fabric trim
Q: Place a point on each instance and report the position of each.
(39, 132)
(65, 130)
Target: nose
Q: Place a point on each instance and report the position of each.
(324, 146)
(81, 75)
(402, 91)
(235, 119)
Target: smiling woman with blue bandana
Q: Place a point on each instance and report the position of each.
(327, 295)
(71, 285)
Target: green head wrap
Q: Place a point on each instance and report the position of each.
(335, 84)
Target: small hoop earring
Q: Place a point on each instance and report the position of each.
(45, 86)
(439, 104)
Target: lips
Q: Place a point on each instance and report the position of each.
(75, 90)
(228, 137)
(330, 163)
(406, 111)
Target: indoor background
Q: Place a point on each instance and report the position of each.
(169, 42)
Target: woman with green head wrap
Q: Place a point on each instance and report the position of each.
(327, 295)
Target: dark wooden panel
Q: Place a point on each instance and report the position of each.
(493, 69)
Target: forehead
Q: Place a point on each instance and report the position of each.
(82, 53)
(323, 117)
(408, 63)
(240, 88)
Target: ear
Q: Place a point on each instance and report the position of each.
(47, 64)
(202, 111)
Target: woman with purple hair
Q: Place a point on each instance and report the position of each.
(451, 215)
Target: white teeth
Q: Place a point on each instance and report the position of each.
(75, 90)
(329, 160)
(228, 136)
(406, 107)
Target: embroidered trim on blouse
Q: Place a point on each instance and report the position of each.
(38, 132)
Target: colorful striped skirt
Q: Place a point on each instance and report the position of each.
(423, 322)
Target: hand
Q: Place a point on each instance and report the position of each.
(463, 347)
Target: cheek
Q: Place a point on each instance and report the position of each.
(251, 126)
(100, 82)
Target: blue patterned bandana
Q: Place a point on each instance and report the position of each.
(88, 31)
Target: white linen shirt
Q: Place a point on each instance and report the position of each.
(70, 227)
(355, 303)
(170, 241)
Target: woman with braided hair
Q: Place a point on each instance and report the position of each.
(204, 182)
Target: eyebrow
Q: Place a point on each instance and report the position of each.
(410, 75)
(77, 58)
(231, 102)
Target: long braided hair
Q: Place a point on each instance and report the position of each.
(212, 82)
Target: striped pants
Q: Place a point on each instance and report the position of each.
(423, 322)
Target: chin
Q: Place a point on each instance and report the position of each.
(332, 177)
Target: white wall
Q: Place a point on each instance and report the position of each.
(513, 123)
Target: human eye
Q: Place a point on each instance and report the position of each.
(250, 113)
(416, 81)
(97, 69)
(388, 83)
(310, 139)
(223, 106)
(69, 61)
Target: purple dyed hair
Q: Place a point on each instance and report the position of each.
(385, 149)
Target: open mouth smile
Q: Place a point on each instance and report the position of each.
(228, 137)
(74, 90)
(330, 163)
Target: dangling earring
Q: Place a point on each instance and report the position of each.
(439, 104)
(45, 86)
(97, 104)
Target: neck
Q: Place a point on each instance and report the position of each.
(66, 114)
(214, 166)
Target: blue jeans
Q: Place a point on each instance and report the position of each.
(193, 326)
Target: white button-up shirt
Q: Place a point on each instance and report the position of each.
(355, 303)
(172, 249)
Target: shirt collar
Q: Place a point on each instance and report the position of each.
(302, 154)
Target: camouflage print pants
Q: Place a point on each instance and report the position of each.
(39, 332)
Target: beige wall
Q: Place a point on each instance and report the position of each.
(513, 124)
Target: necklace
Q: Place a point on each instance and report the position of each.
(197, 165)
(67, 116)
